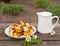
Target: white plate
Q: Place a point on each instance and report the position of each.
(7, 32)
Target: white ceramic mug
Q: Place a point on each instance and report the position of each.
(45, 22)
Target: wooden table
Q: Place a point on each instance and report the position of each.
(48, 40)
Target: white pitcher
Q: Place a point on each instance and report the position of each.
(45, 22)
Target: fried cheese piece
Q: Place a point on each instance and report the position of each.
(19, 30)
(11, 29)
(25, 28)
(31, 29)
(27, 33)
(22, 23)
(19, 34)
(16, 24)
(15, 34)
(11, 33)
(27, 24)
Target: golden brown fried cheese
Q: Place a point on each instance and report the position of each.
(31, 29)
(25, 28)
(21, 28)
(15, 34)
(27, 24)
(22, 23)
(11, 33)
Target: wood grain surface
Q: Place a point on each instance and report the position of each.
(48, 40)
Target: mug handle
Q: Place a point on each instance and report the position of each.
(56, 21)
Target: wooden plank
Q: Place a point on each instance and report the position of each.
(43, 37)
(5, 25)
(49, 43)
(10, 43)
(17, 43)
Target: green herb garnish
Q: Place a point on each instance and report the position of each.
(33, 41)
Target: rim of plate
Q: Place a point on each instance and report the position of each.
(7, 32)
